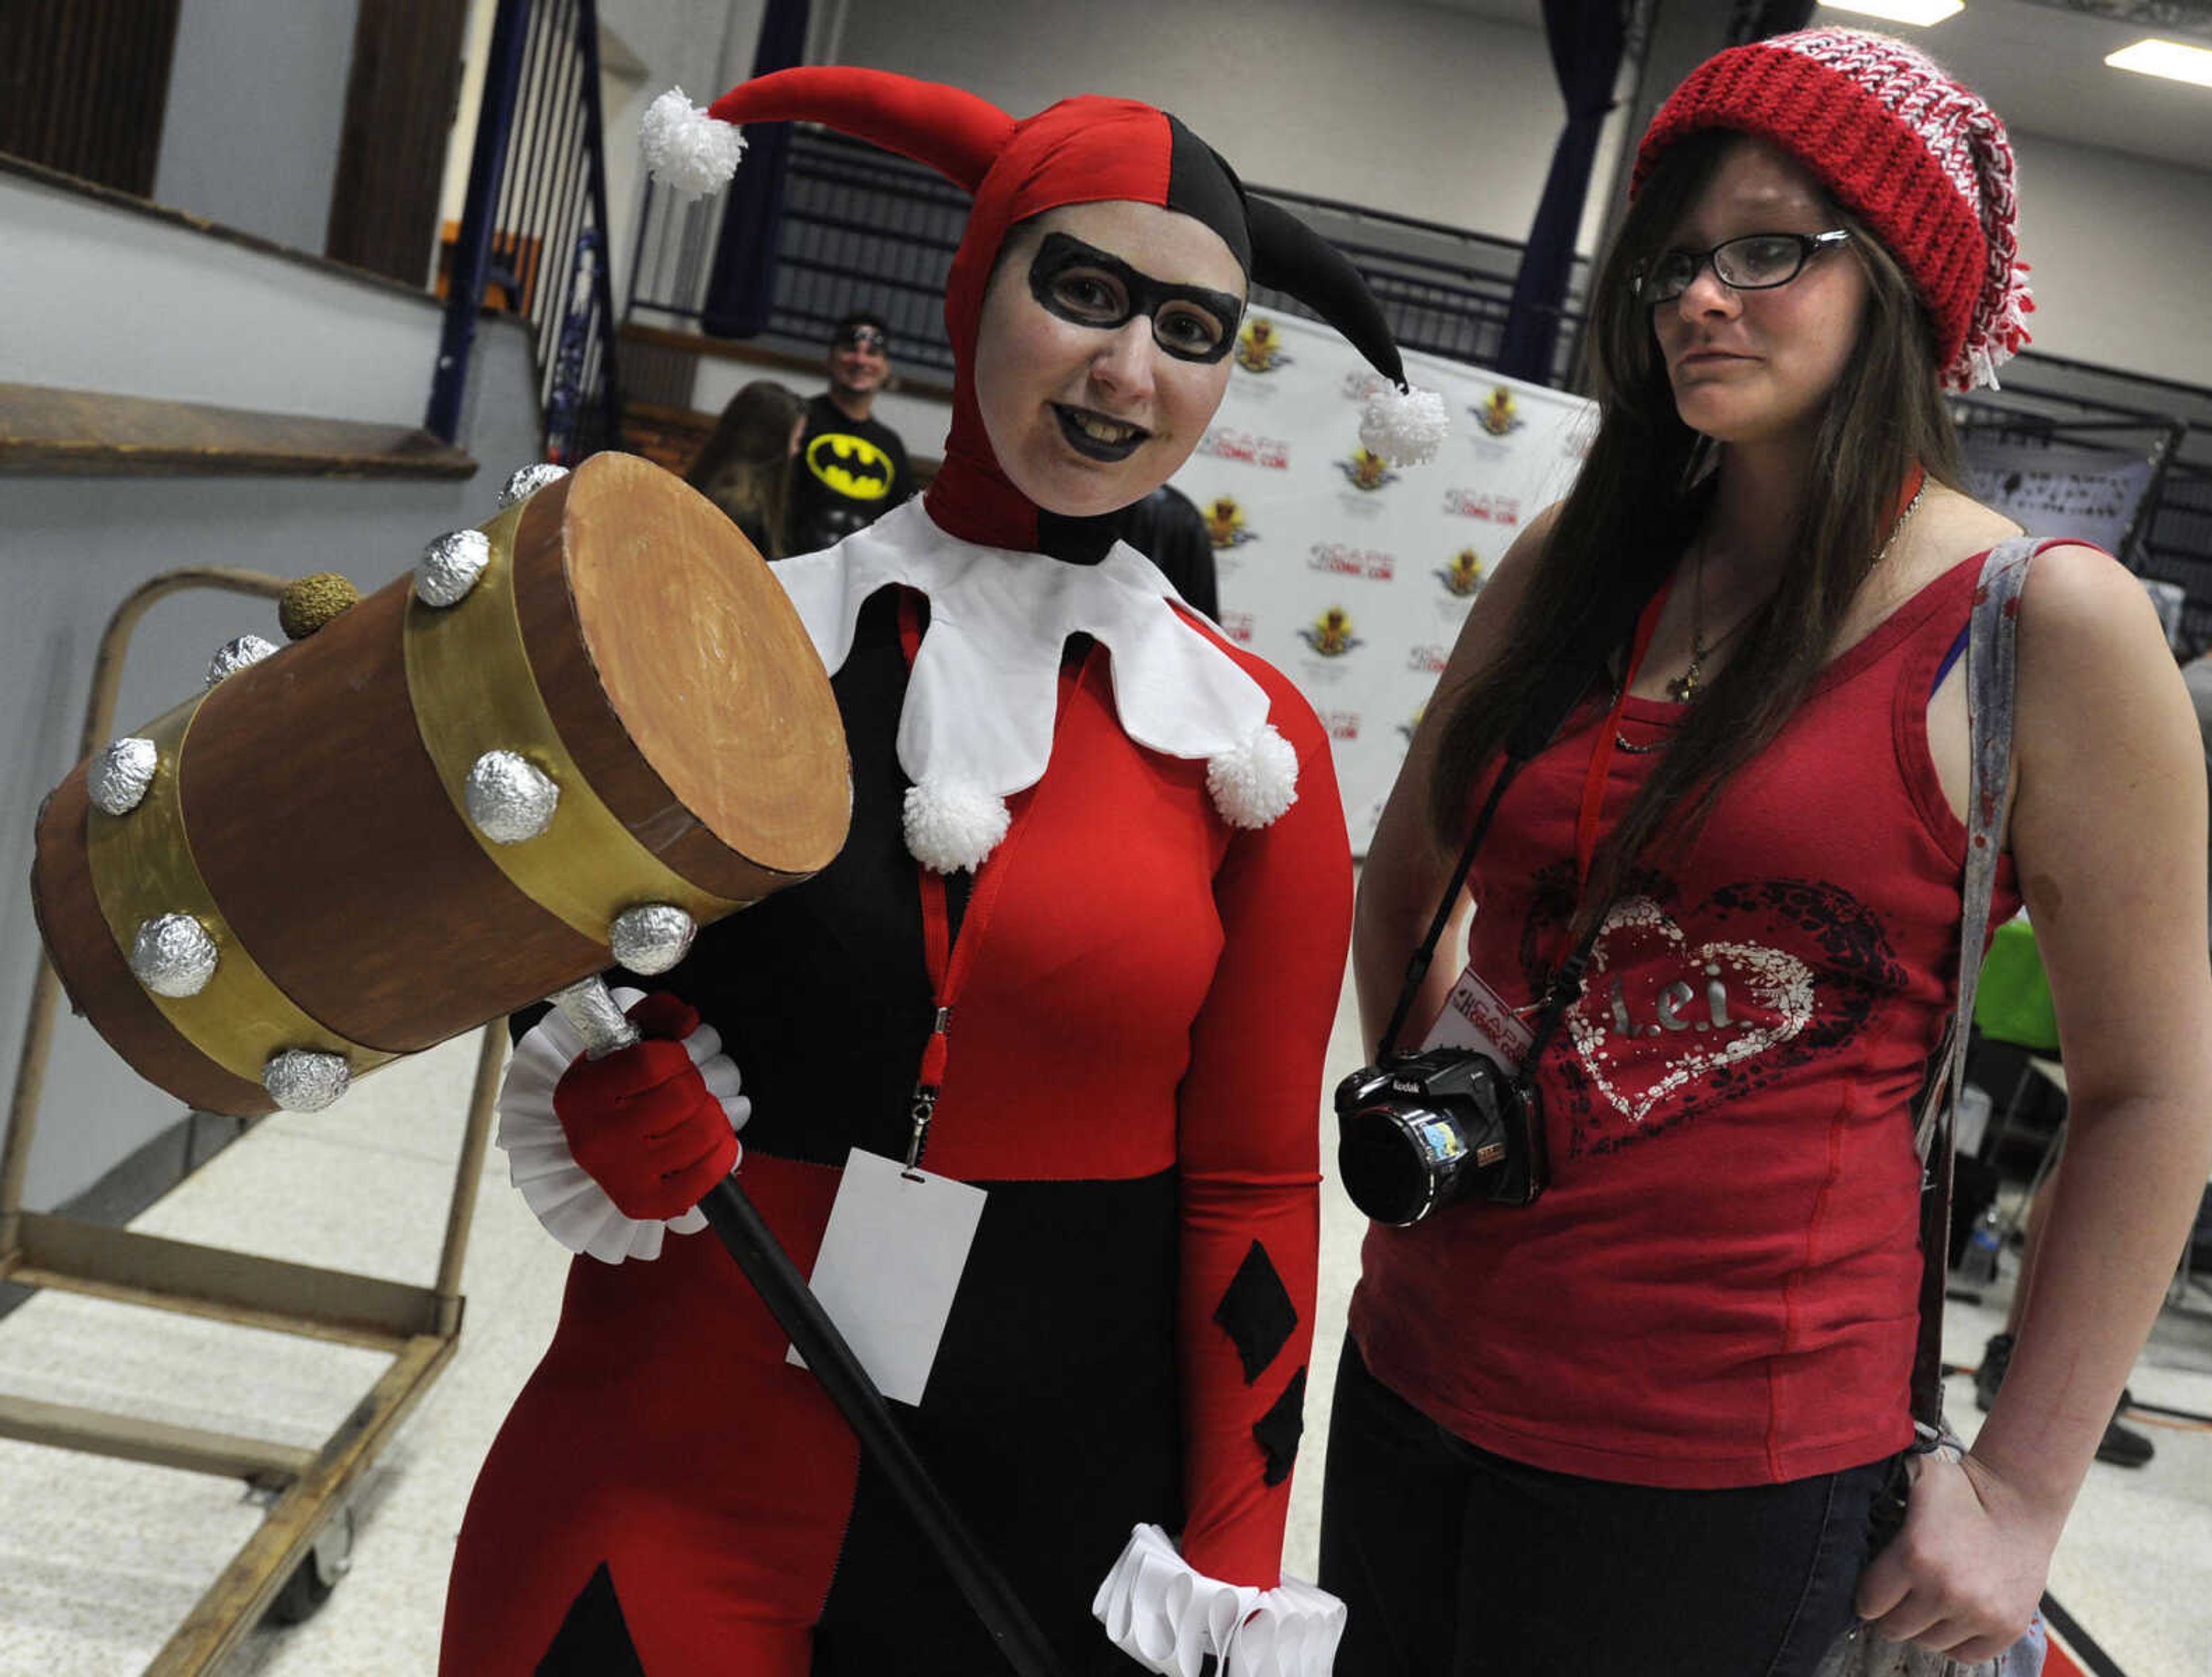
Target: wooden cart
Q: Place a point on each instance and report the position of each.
(299, 1549)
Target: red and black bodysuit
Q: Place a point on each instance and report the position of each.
(1134, 1076)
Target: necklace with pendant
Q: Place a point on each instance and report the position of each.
(1687, 685)
(1684, 687)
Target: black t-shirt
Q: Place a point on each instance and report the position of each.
(849, 473)
(1171, 532)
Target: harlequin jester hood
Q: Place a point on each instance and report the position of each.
(1081, 150)
(976, 726)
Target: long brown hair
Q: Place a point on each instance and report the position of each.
(1639, 497)
(745, 465)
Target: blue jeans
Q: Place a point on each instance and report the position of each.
(1457, 1562)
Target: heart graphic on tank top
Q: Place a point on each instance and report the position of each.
(1670, 1024)
(1733, 1001)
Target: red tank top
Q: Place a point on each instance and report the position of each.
(1719, 1286)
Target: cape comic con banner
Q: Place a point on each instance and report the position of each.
(1350, 576)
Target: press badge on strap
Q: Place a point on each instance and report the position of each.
(1476, 1017)
(890, 1263)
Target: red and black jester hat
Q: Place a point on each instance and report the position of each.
(1082, 150)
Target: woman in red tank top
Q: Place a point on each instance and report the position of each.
(1639, 1423)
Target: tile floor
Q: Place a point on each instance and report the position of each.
(101, 1560)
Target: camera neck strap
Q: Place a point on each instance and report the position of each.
(1566, 980)
(1557, 694)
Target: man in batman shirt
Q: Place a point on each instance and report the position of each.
(851, 469)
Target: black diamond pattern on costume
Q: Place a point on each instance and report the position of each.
(593, 1640)
(1278, 1430)
(1256, 1313)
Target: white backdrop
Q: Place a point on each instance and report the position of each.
(1351, 577)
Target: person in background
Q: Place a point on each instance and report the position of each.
(1171, 532)
(852, 468)
(745, 465)
(1643, 1423)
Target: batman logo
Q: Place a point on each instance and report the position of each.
(849, 466)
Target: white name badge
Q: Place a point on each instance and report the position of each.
(890, 1263)
(1476, 1017)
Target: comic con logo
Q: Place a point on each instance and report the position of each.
(1337, 559)
(1224, 523)
(1498, 413)
(1489, 508)
(1366, 470)
(1363, 384)
(850, 466)
(1340, 723)
(1258, 349)
(1237, 626)
(1330, 633)
(1226, 442)
(1462, 574)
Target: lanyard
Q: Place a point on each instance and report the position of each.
(949, 959)
(1600, 762)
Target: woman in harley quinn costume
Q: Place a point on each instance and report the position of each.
(1638, 1425)
(1110, 843)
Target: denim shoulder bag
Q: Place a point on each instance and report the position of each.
(1991, 648)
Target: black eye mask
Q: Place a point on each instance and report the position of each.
(1081, 283)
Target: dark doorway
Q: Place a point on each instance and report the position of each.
(83, 87)
(391, 151)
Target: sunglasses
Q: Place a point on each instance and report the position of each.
(864, 338)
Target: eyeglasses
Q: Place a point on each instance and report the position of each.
(1755, 262)
(864, 338)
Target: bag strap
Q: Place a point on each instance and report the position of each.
(1993, 659)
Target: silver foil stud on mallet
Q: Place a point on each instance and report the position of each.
(509, 798)
(653, 937)
(526, 481)
(306, 1079)
(174, 956)
(119, 775)
(234, 655)
(451, 566)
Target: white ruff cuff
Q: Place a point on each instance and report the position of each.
(977, 722)
(1169, 1618)
(574, 1209)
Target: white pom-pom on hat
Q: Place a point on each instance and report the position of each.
(952, 824)
(1404, 426)
(1255, 782)
(686, 149)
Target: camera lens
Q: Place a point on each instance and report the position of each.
(1399, 1163)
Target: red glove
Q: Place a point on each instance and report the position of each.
(641, 1122)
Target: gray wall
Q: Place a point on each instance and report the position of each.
(256, 94)
(2120, 255)
(211, 323)
(1415, 109)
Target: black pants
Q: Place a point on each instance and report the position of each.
(1457, 1562)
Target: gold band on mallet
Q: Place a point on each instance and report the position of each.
(142, 867)
(473, 691)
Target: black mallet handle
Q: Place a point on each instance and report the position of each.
(761, 1256)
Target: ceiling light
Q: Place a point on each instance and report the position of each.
(2169, 59)
(1918, 13)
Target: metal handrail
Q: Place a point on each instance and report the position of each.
(864, 228)
(537, 200)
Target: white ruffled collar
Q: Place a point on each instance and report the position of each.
(977, 725)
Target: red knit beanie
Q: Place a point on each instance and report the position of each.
(1918, 158)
